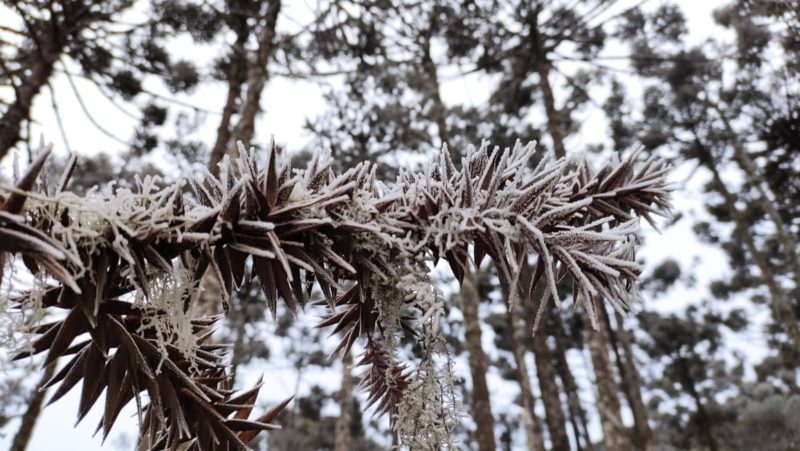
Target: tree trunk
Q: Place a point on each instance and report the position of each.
(258, 75)
(533, 428)
(703, 420)
(470, 302)
(576, 411)
(208, 302)
(343, 422)
(553, 115)
(542, 66)
(481, 405)
(236, 74)
(439, 111)
(35, 403)
(615, 434)
(19, 111)
(631, 386)
(554, 414)
(554, 411)
(50, 45)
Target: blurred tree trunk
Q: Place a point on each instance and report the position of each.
(542, 65)
(470, 298)
(615, 434)
(576, 412)
(237, 73)
(554, 411)
(239, 320)
(533, 428)
(343, 422)
(481, 404)
(704, 421)
(208, 302)
(545, 372)
(631, 386)
(51, 40)
(258, 75)
(23, 436)
(439, 110)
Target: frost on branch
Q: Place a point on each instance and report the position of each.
(125, 266)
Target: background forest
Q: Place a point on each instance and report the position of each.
(707, 361)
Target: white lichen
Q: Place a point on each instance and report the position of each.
(164, 316)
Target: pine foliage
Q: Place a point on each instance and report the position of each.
(125, 267)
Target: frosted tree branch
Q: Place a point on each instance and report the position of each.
(365, 243)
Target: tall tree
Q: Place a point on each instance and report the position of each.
(533, 430)
(235, 71)
(244, 128)
(622, 346)
(554, 411)
(390, 124)
(524, 53)
(344, 421)
(52, 39)
(691, 107)
(615, 434)
(481, 407)
(47, 35)
(160, 260)
(564, 337)
(258, 73)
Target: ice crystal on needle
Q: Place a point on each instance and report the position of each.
(368, 245)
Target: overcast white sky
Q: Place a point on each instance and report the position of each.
(287, 103)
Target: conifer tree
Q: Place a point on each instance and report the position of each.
(389, 125)
(525, 53)
(91, 40)
(734, 124)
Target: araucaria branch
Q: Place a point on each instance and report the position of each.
(124, 265)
